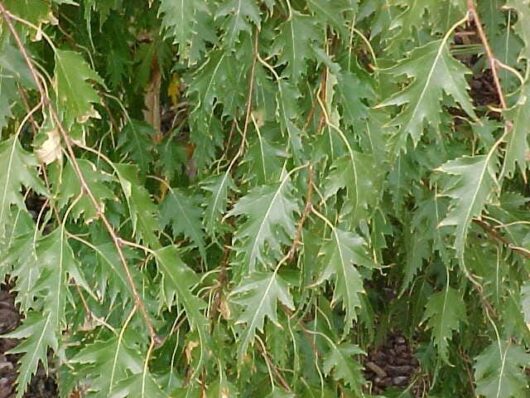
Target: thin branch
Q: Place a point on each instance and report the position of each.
(493, 233)
(307, 209)
(29, 110)
(248, 112)
(276, 371)
(489, 53)
(84, 186)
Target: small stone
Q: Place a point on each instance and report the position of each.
(400, 340)
(387, 381)
(400, 380)
(403, 370)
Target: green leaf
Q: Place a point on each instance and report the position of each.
(433, 72)
(339, 256)
(428, 14)
(238, 15)
(107, 362)
(499, 371)
(444, 312)
(269, 223)
(110, 270)
(295, 52)
(141, 385)
(287, 112)
(472, 181)
(18, 260)
(208, 80)
(74, 89)
(69, 187)
(422, 237)
(178, 280)
(341, 360)
(18, 170)
(136, 140)
(141, 209)
(353, 92)
(13, 70)
(517, 149)
(37, 12)
(217, 201)
(183, 213)
(39, 333)
(265, 160)
(259, 295)
(42, 329)
(333, 12)
(12, 65)
(179, 19)
(521, 28)
(9, 95)
(359, 174)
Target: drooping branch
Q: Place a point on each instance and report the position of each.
(117, 241)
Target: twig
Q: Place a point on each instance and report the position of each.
(250, 90)
(307, 209)
(84, 186)
(489, 54)
(276, 371)
(376, 369)
(248, 112)
(30, 111)
(498, 237)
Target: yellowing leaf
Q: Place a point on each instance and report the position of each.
(174, 89)
(51, 149)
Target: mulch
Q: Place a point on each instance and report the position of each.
(393, 365)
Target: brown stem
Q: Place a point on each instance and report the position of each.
(33, 123)
(84, 186)
(251, 86)
(272, 366)
(307, 209)
(489, 54)
(492, 233)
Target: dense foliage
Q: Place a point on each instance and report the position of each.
(220, 198)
